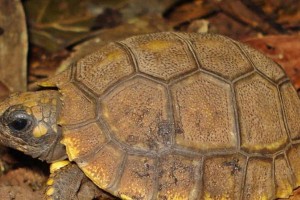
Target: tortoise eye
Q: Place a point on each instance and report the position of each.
(19, 122)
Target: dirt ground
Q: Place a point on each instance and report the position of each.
(22, 177)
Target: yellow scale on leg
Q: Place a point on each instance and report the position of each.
(53, 168)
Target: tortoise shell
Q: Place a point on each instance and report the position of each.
(182, 116)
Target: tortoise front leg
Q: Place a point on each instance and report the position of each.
(66, 181)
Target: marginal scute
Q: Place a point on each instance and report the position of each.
(136, 112)
(294, 160)
(103, 167)
(163, 56)
(77, 107)
(178, 177)
(283, 178)
(83, 140)
(138, 178)
(219, 55)
(291, 105)
(263, 63)
(260, 115)
(203, 109)
(104, 68)
(223, 177)
(259, 181)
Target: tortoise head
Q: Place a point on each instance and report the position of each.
(28, 123)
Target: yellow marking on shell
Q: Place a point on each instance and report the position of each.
(176, 197)
(125, 197)
(264, 197)
(70, 142)
(113, 56)
(50, 181)
(105, 112)
(40, 130)
(171, 196)
(271, 147)
(49, 198)
(297, 181)
(106, 115)
(286, 191)
(102, 182)
(57, 165)
(158, 45)
(50, 191)
(207, 196)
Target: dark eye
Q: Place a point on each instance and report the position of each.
(19, 122)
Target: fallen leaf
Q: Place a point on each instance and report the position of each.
(13, 47)
(56, 24)
(190, 11)
(239, 11)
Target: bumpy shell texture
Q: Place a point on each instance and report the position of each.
(182, 116)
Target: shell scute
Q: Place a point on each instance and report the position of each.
(178, 177)
(291, 105)
(223, 176)
(259, 179)
(219, 55)
(134, 112)
(77, 106)
(264, 64)
(260, 115)
(104, 68)
(138, 179)
(162, 56)
(104, 166)
(203, 108)
(83, 140)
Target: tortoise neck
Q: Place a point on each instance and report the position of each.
(57, 151)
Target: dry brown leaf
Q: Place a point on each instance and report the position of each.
(56, 24)
(13, 47)
(225, 25)
(190, 11)
(240, 12)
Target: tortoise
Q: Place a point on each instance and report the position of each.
(163, 116)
